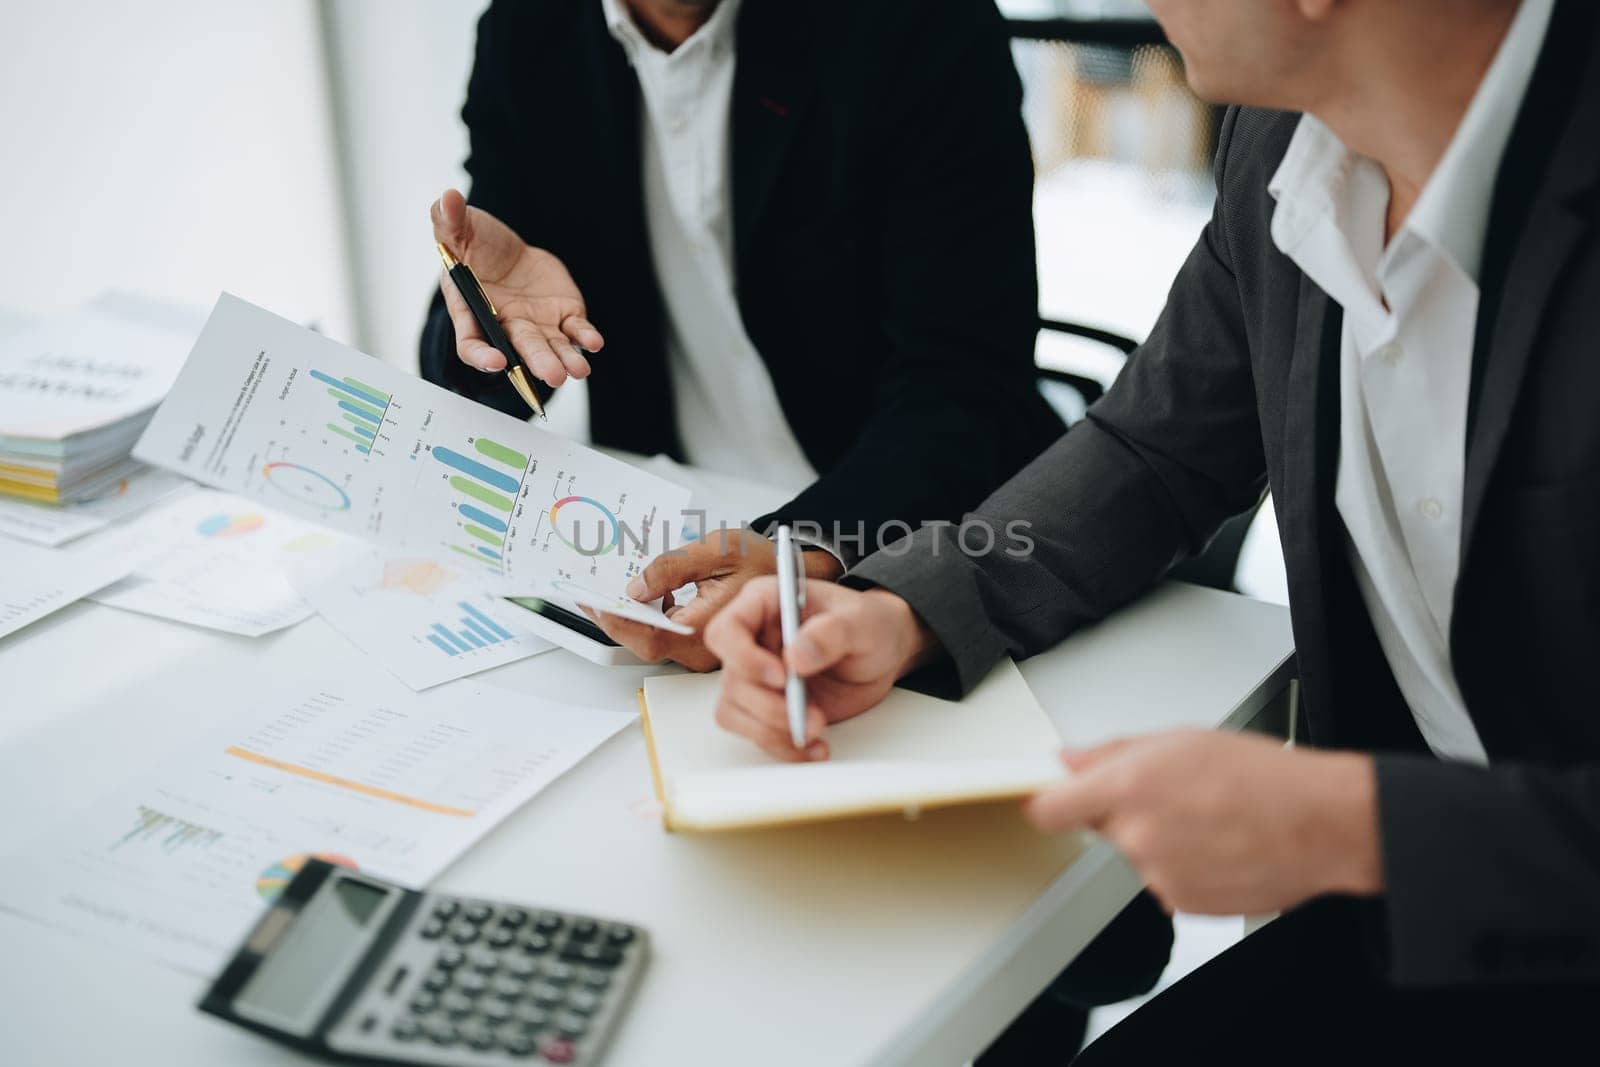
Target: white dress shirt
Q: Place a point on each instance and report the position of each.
(728, 414)
(1410, 310)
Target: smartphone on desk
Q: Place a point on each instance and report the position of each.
(565, 625)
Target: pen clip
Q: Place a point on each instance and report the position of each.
(799, 575)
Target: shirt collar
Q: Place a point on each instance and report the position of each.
(1452, 211)
(718, 28)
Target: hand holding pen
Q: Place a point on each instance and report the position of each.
(528, 292)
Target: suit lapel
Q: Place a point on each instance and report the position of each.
(1550, 164)
(773, 84)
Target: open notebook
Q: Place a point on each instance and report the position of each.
(908, 753)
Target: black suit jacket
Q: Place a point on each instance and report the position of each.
(883, 237)
(1493, 874)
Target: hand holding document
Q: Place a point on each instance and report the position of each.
(282, 415)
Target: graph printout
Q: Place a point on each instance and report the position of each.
(423, 620)
(281, 414)
(353, 768)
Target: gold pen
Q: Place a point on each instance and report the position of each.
(466, 284)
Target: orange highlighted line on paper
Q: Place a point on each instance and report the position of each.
(346, 783)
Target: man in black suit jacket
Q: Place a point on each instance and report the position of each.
(875, 218)
(1446, 827)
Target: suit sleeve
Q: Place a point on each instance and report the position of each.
(1171, 451)
(496, 189)
(955, 408)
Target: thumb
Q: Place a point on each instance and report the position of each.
(450, 222)
(1079, 760)
(824, 639)
(671, 569)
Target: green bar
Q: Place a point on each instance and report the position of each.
(365, 388)
(365, 424)
(376, 413)
(484, 535)
(495, 450)
(479, 556)
(477, 492)
(342, 432)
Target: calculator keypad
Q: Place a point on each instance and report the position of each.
(491, 983)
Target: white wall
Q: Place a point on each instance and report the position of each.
(175, 149)
(399, 76)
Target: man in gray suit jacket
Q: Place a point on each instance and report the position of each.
(1390, 321)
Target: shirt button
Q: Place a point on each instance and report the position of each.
(1431, 508)
(1391, 353)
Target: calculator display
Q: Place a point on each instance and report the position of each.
(293, 984)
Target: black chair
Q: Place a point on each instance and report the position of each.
(1108, 57)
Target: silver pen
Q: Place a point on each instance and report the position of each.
(791, 601)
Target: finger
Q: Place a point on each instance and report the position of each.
(1079, 760)
(571, 357)
(739, 626)
(582, 332)
(674, 569)
(646, 642)
(452, 224)
(823, 640)
(773, 738)
(471, 348)
(536, 352)
(1081, 802)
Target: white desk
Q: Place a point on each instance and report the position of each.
(899, 942)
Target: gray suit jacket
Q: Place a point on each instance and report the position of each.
(1493, 874)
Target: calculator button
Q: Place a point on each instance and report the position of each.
(502, 937)
(584, 929)
(441, 1032)
(559, 973)
(619, 935)
(477, 912)
(423, 1003)
(548, 924)
(458, 1005)
(517, 1043)
(437, 981)
(513, 917)
(483, 960)
(445, 910)
(522, 967)
(583, 1002)
(405, 1030)
(472, 983)
(595, 955)
(596, 980)
(546, 994)
(573, 1026)
(432, 929)
(534, 943)
(496, 1011)
(508, 988)
(449, 958)
(478, 1035)
(531, 1016)
(463, 933)
(558, 1050)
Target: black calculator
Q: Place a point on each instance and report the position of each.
(346, 966)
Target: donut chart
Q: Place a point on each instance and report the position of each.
(225, 525)
(583, 515)
(310, 487)
(271, 882)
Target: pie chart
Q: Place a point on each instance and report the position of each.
(310, 487)
(225, 525)
(271, 882)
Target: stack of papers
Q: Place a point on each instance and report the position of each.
(76, 393)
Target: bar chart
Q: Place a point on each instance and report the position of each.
(488, 483)
(477, 630)
(361, 409)
(167, 832)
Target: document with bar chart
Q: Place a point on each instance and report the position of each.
(420, 618)
(352, 768)
(270, 410)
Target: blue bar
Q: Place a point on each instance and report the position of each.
(493, 627)
(482, 518)
(477, 630)
(452, 638)
(364, 432)
(474, 638)
(491, 553)
(360, 413)
(487, 475)
(363, 449)
(375, 399)
(446, 649)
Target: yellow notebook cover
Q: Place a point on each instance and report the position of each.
(909, 753)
